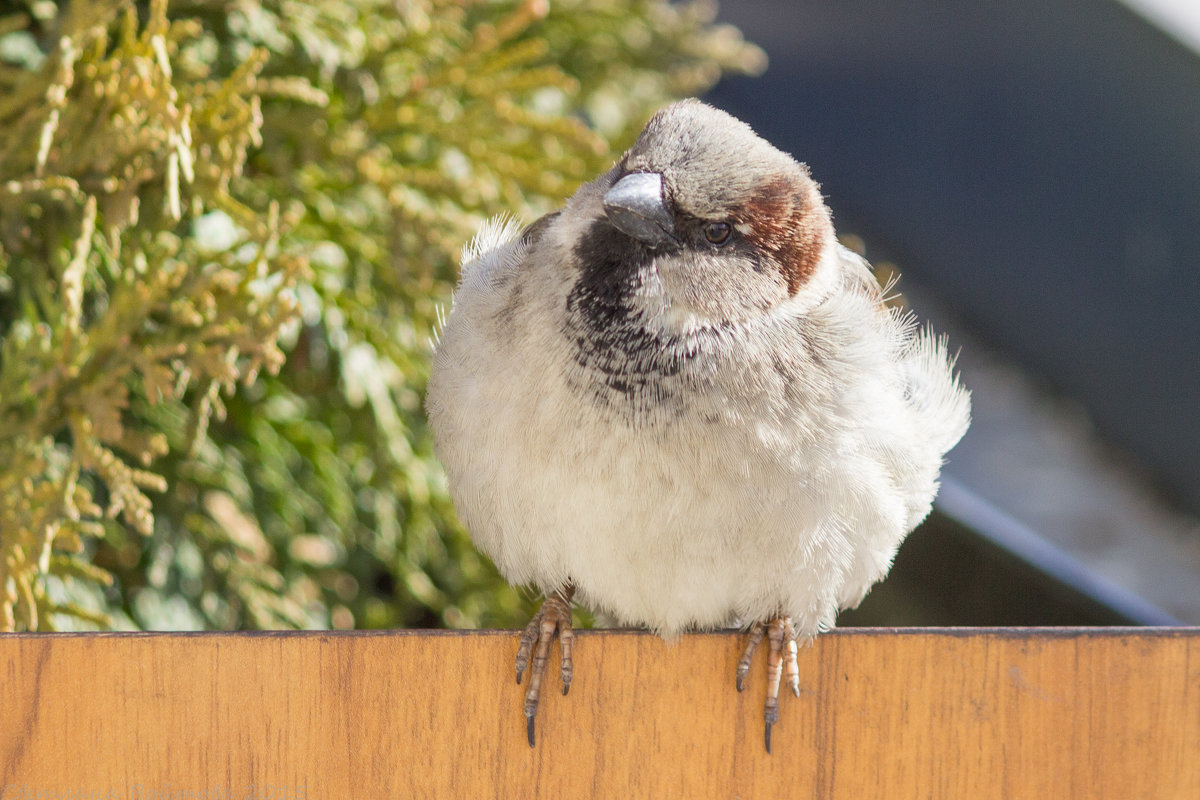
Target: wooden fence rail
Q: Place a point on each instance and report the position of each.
(1002, 713)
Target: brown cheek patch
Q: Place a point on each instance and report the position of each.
(789, 224)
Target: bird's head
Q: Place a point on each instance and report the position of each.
(731, 225)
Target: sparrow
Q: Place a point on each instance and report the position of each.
(680, 402)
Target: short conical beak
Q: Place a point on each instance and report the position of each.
(636, 205)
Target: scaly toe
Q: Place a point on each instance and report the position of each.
(552, 619)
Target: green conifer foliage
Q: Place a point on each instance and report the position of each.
(226, 229)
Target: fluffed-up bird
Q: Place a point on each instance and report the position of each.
(680, 402)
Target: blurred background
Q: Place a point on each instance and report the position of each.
(226, 229)
(1032, 170)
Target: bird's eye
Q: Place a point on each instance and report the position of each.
(717, 232)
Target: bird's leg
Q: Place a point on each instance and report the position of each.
(781, 660)
(554, 617)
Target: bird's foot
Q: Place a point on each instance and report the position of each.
(554, 617)
(781, 660)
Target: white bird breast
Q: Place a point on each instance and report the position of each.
(784, 486)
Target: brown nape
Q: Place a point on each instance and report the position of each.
(788, 222)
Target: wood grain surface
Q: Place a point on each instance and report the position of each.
(1010, 713)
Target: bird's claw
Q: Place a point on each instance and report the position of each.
(553, 618)
(757, 630)
(781, 661)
